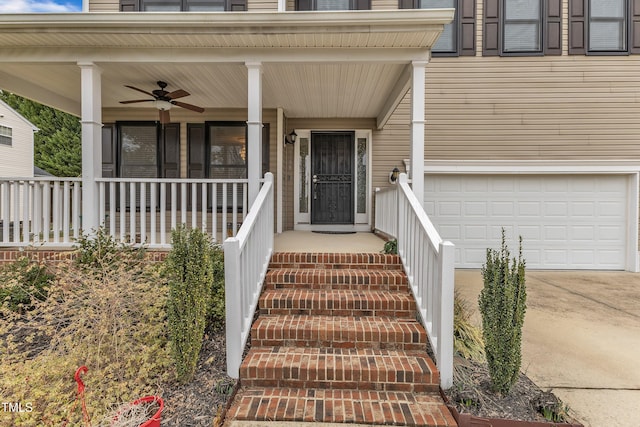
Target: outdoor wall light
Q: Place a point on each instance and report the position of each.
(393, 175)
(291, 139)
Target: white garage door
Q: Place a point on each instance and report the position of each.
(566, 221)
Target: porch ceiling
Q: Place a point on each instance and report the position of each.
(320, 64)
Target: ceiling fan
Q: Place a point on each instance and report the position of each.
(164, 100)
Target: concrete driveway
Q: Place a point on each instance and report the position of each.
(581, 339)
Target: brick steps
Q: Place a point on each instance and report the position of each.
(374, 279)
(337, 303)
(337, 340)
(342, 406)
(385, 333)
(342, 369)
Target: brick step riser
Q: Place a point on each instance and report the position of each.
(393, 287)
(324, 266)
(394, 386)
(374, 345)
(335, 260)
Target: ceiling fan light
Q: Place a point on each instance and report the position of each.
(162, 105)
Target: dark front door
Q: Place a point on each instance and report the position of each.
(332, 177)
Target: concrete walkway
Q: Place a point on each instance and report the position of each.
(581, 339)
(307, 241)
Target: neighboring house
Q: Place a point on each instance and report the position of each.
(16, 143)
(16, 159)
(530, 114)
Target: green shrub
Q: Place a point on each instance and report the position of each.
(22, 282)
(189, 271)
(502, 305)
(390, 247)
(100, 251)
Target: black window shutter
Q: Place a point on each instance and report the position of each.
(129, 5)
(577, 27)
(467, 16)
(408, 4)
(170, 146)
(361, 4)
(109, 151)
(553, 28)
(196, 150)
(491, 33)
(304, 5)
(634, 42)
(237, 5)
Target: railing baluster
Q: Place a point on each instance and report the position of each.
(132, 212)
(143, 212)
(224, 212)
(203, 208)
(112, 209)
(102, 201)
(152, 210)
(123, 210)
(183, 203)
(66, 214)
(25, 211)
(174, 188)
(163, 213)
(235, 209)
(214, 212)
(37, 211)
(6, 211)
(76, 209)
(56, 212)
(46, 211)
(194, 205)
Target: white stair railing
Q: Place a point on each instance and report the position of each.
(429, 264)
(142, 211)
(246, 259)
(40, 211)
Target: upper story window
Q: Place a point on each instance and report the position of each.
(458, 37)
(604, 27)
(6, 137)
(522, 27)
(182, 5)
(333, 5)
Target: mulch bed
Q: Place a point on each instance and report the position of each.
(197, 403)
(471, 394)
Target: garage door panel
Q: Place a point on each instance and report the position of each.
(566, 221)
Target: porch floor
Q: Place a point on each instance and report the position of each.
(308, 241)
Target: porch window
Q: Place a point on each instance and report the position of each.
(139, 151)
(228, 151)
(182, 5)
(6, 135)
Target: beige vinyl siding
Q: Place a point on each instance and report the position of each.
(104, 6)
(569, 107)
(262, 5)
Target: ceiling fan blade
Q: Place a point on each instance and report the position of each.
(188, 106)
(164, 117)
(137, 100)
(178, 94)
(139, 90)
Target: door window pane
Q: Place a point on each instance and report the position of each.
(447, 40)
(522, 29)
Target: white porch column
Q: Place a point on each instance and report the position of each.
(254, 129)
(91, 121)
(418, 75)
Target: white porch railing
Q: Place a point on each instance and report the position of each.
(246, 259)
(429, 264)
(39, 211)
(142, 211)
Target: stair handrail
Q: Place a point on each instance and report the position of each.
(428, 261)
(246, 259)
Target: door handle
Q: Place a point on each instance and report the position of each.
(315, 187)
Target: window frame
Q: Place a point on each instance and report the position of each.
(6, 137)
(627, 32)
(312, 5)
(456, 31)
(540, 36)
